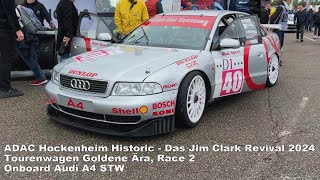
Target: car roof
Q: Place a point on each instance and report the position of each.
(202, 12)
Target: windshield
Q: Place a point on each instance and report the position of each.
(185, 32)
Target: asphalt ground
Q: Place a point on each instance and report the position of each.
(287, 114)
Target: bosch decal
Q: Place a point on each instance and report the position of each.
(162, 105)
(141, 110)
(83, 73)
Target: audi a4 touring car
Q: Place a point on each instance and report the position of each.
(161, 76)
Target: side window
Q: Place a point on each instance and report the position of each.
(234, 31)
(91, 26)
(222, 26)
(251, 31)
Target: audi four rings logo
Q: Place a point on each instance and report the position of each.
(80, 84)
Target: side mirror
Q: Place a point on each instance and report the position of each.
(229, 43)
(104, 37)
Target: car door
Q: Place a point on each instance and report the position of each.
(93, 33)
(240, 66)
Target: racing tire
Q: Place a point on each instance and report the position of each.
(273, 71)
(191, 100)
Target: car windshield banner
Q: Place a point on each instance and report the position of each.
(204, 22)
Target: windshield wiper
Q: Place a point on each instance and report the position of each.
(145, 35)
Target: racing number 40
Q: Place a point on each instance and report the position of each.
(232, 81)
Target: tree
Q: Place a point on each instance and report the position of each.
(303, 3)
(295, 3)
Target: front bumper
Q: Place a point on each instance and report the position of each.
(114, 115)
(147, 128)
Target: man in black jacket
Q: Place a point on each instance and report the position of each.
(265, 13)
(10, 31)
(309, 20)
(316, 18)
(39, 10)
(300, 17)
(67, 16)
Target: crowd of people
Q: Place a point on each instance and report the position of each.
(16, 35)
(19, 24)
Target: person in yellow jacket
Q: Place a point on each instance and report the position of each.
(129, 15)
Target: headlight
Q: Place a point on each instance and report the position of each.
(55, 77)
(136, 89)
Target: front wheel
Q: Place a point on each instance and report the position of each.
(191, 100)
(273, 71)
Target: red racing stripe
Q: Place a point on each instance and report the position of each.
(266, 49)
(88, 44)
(247, 76)
(273, 43)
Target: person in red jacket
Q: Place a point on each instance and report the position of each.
(154, 7)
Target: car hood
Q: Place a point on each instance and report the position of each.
(123, 62)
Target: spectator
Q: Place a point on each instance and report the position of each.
(129, 14)
(300, 17)
(40, 11)
(316, 18)
(192, 5)
(309, 20)
(265, 13)
(67, 16)
(29, 49)
(255, 8)
(154, 7)
(9, 30)
(280, 16)
(217, 5)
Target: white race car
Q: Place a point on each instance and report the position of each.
(162, 74)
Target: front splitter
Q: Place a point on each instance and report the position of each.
(146, 128)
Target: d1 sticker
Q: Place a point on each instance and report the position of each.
(229, 75)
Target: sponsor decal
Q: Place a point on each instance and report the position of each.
(163, 108)
(228, 53)
(162, 105)
(95, 54)
(83, 73)
(99, 44)
(188, 59)
(51, 101)
(192, 64)
(163, 112)
(203, 22)
(169, 86)
(229, 76)
(141, 110)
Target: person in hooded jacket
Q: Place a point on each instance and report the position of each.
(154, 7)
(40, 11)
(316, 18)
